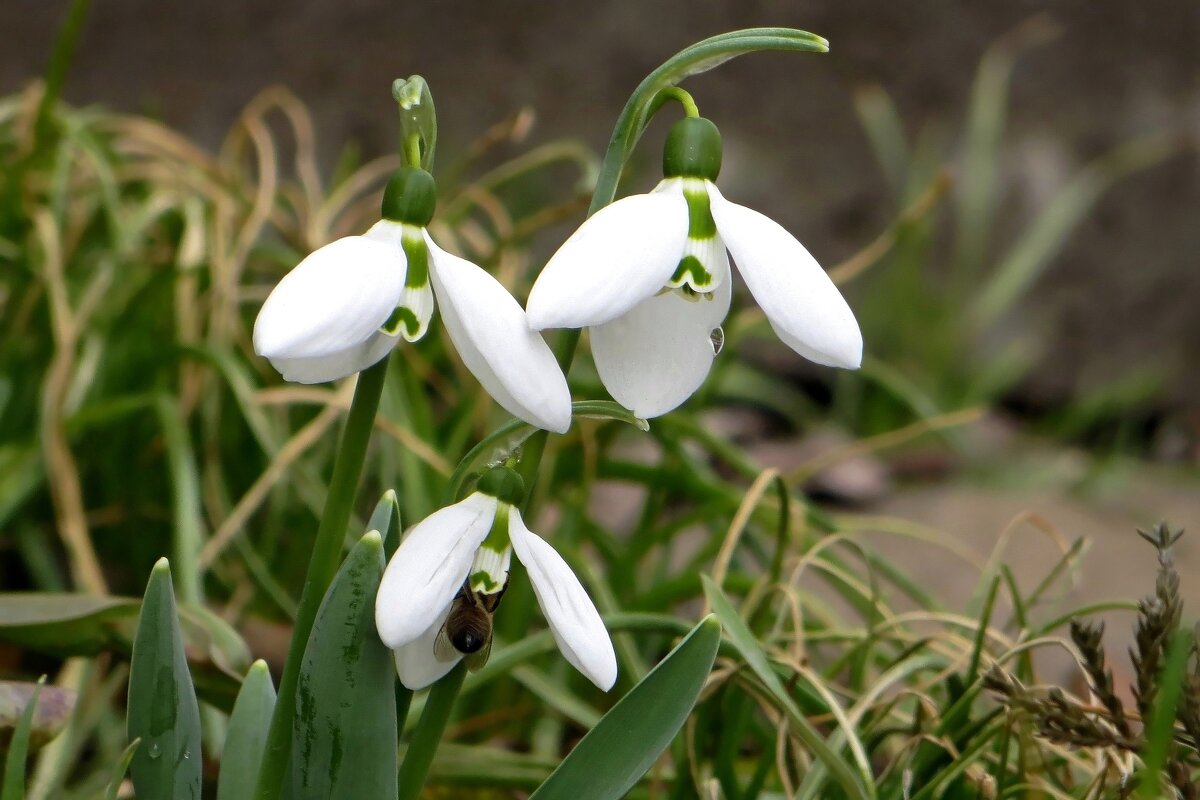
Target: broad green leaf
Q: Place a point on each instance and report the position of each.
(119, 770)
(247, 736)
(627, 741)
(54, 708)
(163, 711)
(14, 765)
(65, 624)
(344, 734)
(747, 646)
(386, 519)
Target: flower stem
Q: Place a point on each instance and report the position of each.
(326, 556)
(428, 733)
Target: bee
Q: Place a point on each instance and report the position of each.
(467, 631)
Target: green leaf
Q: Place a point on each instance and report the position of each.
(163, 711)
(344, 734)
(64, 624)
(14, 765)
(747, 646)
(247, 736)
(54, 708)
(386, 519)
(627, 741)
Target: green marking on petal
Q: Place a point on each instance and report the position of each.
(497, 539)
(691, 275)
(417, 253)
(401, 320)
(701, 224)
(483, 582)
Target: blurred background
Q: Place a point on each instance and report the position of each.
(1011, 192)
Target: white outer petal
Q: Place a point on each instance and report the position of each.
(416, 664)
(619, 256)
(803, 306)
(429, 568)
(574, 621)
(332, 302)
(490, 332)
(318, 369)
(654, 357)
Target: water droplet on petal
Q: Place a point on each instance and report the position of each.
(155, 750)
(717, 339)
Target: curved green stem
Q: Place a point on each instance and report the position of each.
(692, 60)
(428, 733)
(326, 556)
(681, 96)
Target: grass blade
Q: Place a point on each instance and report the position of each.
(747, 646)
(14, 763)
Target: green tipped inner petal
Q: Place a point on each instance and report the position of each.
(402, 320)
(703, 264)
(412, 316)
(489, 571)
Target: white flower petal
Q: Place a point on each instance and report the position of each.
(332, 302)
(655, 356)
(574, 621)
(429, 568)
(800, 301)
(490, 331)
(416, 664)
(318, 369)
(621, 255)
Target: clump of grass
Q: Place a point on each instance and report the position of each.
(1166, 700)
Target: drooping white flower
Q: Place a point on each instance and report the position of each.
(649, 275)
(468, 547)
(347, 304)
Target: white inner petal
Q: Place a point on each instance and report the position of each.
(416, 663)
(654, 357)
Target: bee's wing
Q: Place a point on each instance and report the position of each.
(443, 649)
(476, 660)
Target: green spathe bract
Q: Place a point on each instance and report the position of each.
(344, 736)
(163, 711)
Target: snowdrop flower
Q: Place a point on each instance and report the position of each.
(649, 275)
(468, 547)
(346, 305)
